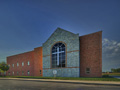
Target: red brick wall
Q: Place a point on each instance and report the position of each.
(91, 55)
(35, 59)
(24, 57)
(38, 61)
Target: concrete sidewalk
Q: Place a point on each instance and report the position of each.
(113, 83)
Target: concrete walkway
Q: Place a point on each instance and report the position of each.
(113, 83)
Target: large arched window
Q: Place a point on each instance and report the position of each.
(58, 55)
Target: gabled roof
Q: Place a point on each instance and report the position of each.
(57, 31)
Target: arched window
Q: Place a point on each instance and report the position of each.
(58, 55)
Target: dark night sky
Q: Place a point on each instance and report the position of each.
(26, 24)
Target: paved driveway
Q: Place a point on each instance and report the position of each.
(44, 85)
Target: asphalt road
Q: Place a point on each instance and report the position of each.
(41, 85)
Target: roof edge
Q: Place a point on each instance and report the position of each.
(19, 54)
(91, 33)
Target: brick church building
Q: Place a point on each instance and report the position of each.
(69, 54)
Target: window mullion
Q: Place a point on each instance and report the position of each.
(58, 56)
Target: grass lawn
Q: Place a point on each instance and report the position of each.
(111, 74)
(104, 78)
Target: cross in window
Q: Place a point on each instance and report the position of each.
(58, 52)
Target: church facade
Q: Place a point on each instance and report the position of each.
(69, 54)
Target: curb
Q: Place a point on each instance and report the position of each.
(68, 81)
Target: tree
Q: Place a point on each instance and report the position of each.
(3, 67)
(115, 70)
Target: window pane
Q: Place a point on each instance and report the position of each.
(28, 63)
(13, 65)
(17, 64)
(63, 57)
(13, 73)
(40, 71)
(63, 65)
(60, 49)
(63, 54)
(54, 62)
(22, 72)
(63, 49)
(54, 50)
(53, 65)
(28, 72)
(87, 70)
(60, 54)
(22, 63)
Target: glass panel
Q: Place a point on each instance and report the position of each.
(63, 57)
(54, 55)
(58, 65)
(63, 54)
(60, 54)
(13, 65)
(63, 65)
(54, 62)
(56, 45)
(22, 63)
(60, 49)
(53, 65)
(54, 50)
(40, 71)
(28, 72)
(28, 63)
(63, 49)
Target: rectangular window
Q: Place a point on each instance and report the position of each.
(22, 63)
(13, 72)
(9, 73)
(22, 72)
(17, 73)
(28, 63)
(12, 65)
(17, 64)
(88, 70)
(28, 73)
(40, 71)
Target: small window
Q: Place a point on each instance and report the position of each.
(12, 65)
(9, 73)
(17, 73)
(40, 71)
(88, 70)
(28, 63)
(28, 72)
(17, 64)
(22, 63)
(9, 65)
(13, 72)
(22, 72)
